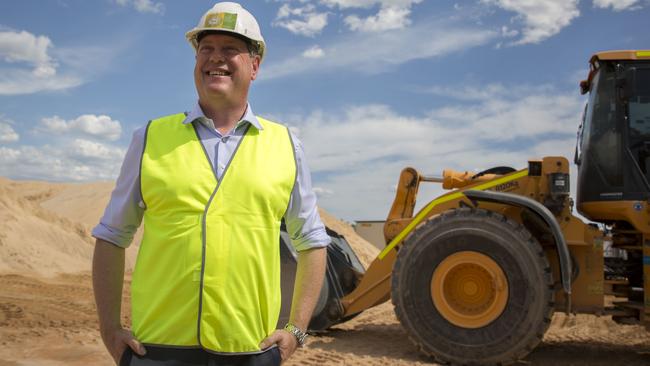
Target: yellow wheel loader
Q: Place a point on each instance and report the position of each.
(476, 275)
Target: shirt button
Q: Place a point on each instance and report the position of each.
(224, 139)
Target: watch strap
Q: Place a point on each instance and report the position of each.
(297, 332)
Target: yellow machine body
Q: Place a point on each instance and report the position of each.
(585, 242)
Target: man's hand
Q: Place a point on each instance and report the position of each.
(108, 278)
(116, 342)
(287, 343)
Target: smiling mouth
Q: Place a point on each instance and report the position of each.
(218, 73)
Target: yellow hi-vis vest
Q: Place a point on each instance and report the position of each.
(208, 269)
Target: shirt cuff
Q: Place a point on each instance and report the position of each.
(108, 234)
(312, 240)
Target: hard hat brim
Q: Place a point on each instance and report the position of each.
(193, 34)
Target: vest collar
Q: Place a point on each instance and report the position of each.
(197, 113)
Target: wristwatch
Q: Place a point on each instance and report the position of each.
(297, 332)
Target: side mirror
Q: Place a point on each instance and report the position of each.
(584, 87)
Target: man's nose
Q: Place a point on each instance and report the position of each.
(217, 56)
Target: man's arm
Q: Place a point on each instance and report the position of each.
(310, 274)
(108, 279)
(114, 233)
(306, 290)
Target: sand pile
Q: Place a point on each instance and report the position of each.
(45, 227)
(85, 204)
(35, 240)
(364, 250)
(82, 203)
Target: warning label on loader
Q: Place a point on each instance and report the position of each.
(508, 186)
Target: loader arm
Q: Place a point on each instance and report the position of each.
(404, 203)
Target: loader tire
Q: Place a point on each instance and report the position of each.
(471, 286)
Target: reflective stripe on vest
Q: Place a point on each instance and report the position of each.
(208, 268)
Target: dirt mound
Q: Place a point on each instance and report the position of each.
(364, 250)
(36, 240)
(45, 227)
(82, 203)
(85, 204)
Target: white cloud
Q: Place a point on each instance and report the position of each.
(77, 160)
(387, 18)
(345, 4)
(41, 75)
(617, 5)
(16, 82)
(489, 91)
(8, 155)
(71, 152)
(359, 152)
(143, 6)
(313, 52)
(86, 149)
(306, 20)
(377, 52)
(26, 47)
(392, 14)
(498, 119)
(102, 126)
(64, 150)
(7, 133)
(541, 19)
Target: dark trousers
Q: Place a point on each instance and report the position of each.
(159, 356)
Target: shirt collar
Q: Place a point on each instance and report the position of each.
(197, 113)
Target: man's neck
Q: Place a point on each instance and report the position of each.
(225, 118)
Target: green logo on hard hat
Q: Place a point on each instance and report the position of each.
(221, 20)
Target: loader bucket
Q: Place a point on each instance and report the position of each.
(344, 271)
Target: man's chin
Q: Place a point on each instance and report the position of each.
(217, 91)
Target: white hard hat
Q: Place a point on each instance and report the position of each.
(231, 18)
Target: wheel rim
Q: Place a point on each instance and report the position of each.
(469, 289)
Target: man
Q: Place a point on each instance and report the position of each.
(212, 186)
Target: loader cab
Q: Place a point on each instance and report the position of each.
(613, 147)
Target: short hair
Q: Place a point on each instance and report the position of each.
(252, 46)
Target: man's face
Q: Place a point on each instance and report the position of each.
(224, 68)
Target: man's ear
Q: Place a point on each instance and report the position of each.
(255, 66)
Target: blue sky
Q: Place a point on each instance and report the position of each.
(369, 86)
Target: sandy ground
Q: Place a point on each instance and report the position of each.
(47, 313)
(52, 322)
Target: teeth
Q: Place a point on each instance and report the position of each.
(217, 73)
